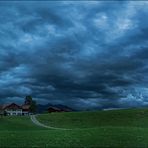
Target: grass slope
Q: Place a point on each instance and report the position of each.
(125, 118)
(101, 137)
(124, 128)
(17, 123)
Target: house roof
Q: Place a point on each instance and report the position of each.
(12, 106)
(3, 106)
(60, 109)
(25, 106)
(54, 108)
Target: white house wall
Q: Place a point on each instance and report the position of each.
(14, 112)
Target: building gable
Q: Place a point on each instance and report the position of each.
(12, 106)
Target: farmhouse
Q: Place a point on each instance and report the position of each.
(57, 109)
(25, 109)
(53, 109)
(14, 109)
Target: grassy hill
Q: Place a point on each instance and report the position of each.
(122, 128)
(125, 118)
(17, 123)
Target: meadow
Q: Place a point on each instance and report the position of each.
(118, 128)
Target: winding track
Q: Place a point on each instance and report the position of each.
(35, 121)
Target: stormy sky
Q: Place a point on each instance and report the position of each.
(83, 54)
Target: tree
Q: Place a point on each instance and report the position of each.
(33, 106)
(31, 102)
(28, 100)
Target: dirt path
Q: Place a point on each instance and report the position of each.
(35, 121)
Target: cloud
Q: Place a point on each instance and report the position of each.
(85, 54)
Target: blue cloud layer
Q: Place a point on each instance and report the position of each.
(85, 54)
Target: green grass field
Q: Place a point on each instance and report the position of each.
(122, 128)
(115, 118)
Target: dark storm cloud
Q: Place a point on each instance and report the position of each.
(85, 54)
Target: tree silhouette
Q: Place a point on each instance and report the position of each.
(31, 102)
